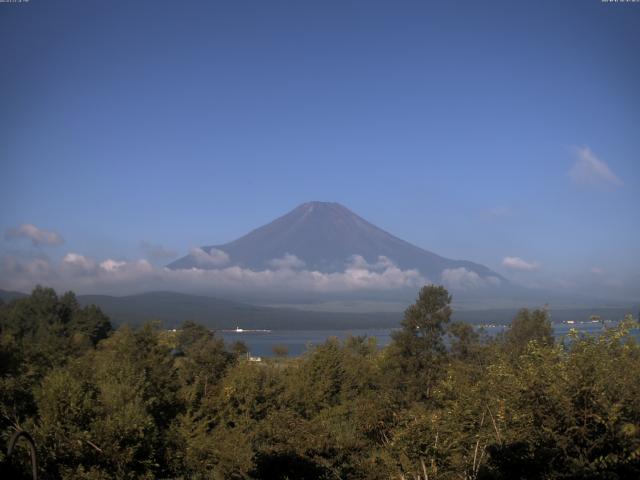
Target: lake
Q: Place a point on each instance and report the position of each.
(261, 343)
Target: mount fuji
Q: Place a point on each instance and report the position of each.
(328, 237)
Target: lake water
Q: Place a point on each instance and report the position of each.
(297, 341)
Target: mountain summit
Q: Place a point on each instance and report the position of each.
(325, 237)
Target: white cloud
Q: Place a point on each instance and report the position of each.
(84, 274)
(517, 263)
(381, 275)
(212, 258)
(358, 275)
(111, 265)
(463, 279)
(36, 235)
(597, 271)
(589, 170)
(77, 263)
(288, 261)
(359, 262)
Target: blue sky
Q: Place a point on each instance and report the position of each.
(477, 130)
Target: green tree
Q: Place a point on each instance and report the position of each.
(464, 340)
(529, 326)
(239, 348)
(37, 334)
(417, 354)
(90, 323)
(204, 362)
(280, 351)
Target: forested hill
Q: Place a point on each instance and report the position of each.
(173, 308)
(7, 296)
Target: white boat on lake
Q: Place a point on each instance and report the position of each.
(246, 330)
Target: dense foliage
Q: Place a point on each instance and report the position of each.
(441, 402)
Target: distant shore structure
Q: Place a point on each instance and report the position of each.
(246, 330)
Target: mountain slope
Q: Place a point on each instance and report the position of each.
(324, 236)
(174, 308)
(7, 296)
